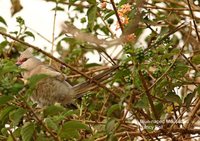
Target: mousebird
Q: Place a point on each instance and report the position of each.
(54, 88)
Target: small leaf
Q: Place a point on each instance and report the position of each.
(143, 102)
(2, 29)
(70, 129)
(69, 133)
(29, 34)
(179, 70)
(75, 125)
(122, 2)
(113, 108)
(91, 65)
(188, 99)
(5, 113)
(27, 131)
(51, 124)
(196, 59)
(4, 99)
(3, 44)
(3, 21)
(173, 97)
(16, 115)
(109, 14)
(159, 108)
(91, 13)
(17, 87)
(110, 126)
(17, 131)
(53, 110)
(92, 1)
(58, 8)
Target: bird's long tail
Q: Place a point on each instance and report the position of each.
(81, 89)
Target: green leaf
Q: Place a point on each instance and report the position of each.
(110, 21)
(143, 102)
(188, 99)
(91, 14)
(113, 108)
(196, 59)
(17, 87)
(70, 129)
(27, 131)
(72, 1)
(159, 108)
(69, 133)
(9, 67)
(2, 29)
(179, 70)
(3, 21)
(51, 124)
(5, 98)
(92, 2)
(91, 65)
(173, 97)
(29, 34)
(5, 113)
(75, 125)
(53, 110)
(16, 115)
(109, 14)
(122, 2)
(17, 131)
(42, 137)
(3, 44)
(58, 8)
(110, 126)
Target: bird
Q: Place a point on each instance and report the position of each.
(54, 88)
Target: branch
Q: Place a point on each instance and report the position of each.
(193, 19)
(148, 95)
(117, 15)
(192, 115)
(154, 134)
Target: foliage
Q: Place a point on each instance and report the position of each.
(154, 94)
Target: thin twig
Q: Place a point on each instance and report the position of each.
(193, 19)
(148, 95)
(117, 15)
(192, 115)
(53, 32)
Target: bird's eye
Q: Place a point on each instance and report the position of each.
(24, 59)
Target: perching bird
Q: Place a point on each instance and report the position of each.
(54, 89)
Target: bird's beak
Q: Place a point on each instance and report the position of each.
(18, 63)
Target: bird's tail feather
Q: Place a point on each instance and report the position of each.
(81, 89)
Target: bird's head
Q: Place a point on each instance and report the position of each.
(26, 60)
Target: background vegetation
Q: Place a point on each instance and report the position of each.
(153, 95)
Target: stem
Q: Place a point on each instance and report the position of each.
(148, 95)
(193, 19)
(117, 15)
(53, 33)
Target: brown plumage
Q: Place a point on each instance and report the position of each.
(55, 88)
